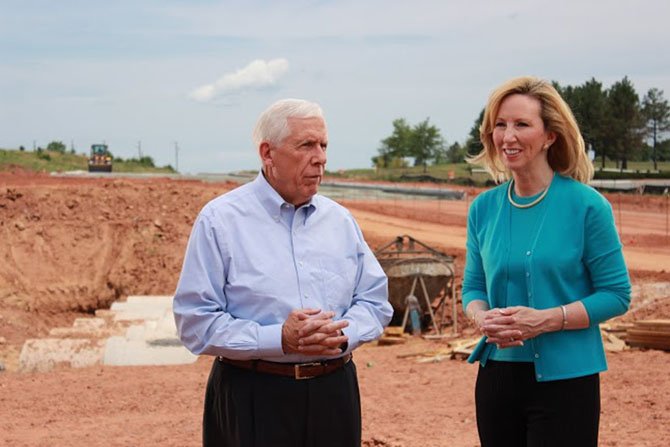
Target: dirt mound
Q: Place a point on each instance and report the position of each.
(75, 245)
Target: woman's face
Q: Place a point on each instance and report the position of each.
(519, 136)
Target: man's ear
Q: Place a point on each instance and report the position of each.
(265, 153)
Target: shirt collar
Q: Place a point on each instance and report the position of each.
(272, 202)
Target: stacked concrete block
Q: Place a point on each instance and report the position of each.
(138, 331)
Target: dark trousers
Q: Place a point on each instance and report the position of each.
(515, 410)
(244, 408)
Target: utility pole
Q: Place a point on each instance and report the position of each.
(139, 149)
(176, 156)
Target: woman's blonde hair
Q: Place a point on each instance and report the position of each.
(567, 155)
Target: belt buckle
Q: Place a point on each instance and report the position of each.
(298, 373)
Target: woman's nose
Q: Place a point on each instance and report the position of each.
(509, 134)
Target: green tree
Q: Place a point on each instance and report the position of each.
(589, 105)
(473, 144)
(663, 150)
(456, 153)
(441, 157)
(594, 117)
(625, 130)
(425, 143)
(397, 145)
(56, 146)
(656, 113)
(567, 93)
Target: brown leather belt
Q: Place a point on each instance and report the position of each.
(298, 371)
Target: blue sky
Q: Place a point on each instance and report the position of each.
(200, 72)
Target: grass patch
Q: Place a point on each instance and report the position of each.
(52, 161)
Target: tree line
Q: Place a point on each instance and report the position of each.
(615, 122)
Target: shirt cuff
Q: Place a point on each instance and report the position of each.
(351, 332)
(269, 341)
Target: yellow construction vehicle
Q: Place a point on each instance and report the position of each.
(100, 159)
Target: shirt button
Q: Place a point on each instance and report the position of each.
(527, 274)
(306, 296)
(537, 356)
(300, 263)
(276, 218)
(528, 253)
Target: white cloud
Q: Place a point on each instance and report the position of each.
(257, 74)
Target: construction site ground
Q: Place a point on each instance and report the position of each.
(73, 245)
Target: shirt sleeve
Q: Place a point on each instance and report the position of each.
(200, 303)
(474, 279)
(603, 256)
(370, 311)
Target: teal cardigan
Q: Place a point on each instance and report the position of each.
(574, 254)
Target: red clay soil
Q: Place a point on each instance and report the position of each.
(73, 245)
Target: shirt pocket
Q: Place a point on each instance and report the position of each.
(338, 279)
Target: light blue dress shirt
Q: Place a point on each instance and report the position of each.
(252, 258)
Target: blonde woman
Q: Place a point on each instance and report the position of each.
(544, 267)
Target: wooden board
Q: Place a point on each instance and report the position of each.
(650, 344)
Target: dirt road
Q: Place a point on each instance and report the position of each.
(443, 224)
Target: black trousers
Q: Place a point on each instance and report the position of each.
(244, 408)
(515, 410)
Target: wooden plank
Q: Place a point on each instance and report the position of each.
(662, 322)
(394, 331)
(612, 342)
(383, 340)
(651, 345)
(418, 354)
(641, 333)
(436, 358)
(651, 327)
(467, 343)
(639, 341)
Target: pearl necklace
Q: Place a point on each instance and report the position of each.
(525, 205)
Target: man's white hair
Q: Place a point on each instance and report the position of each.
(272, 124)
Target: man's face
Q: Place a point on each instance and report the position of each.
(295, 166)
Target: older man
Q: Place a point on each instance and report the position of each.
(279, 284)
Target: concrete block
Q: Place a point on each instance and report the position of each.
(136, 332)
(44, 354)
(139, 331)
(141, 308)
(120, 351)
(92, 324)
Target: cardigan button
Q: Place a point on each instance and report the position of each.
(528, 253)
(537, 356)
(539, 376)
